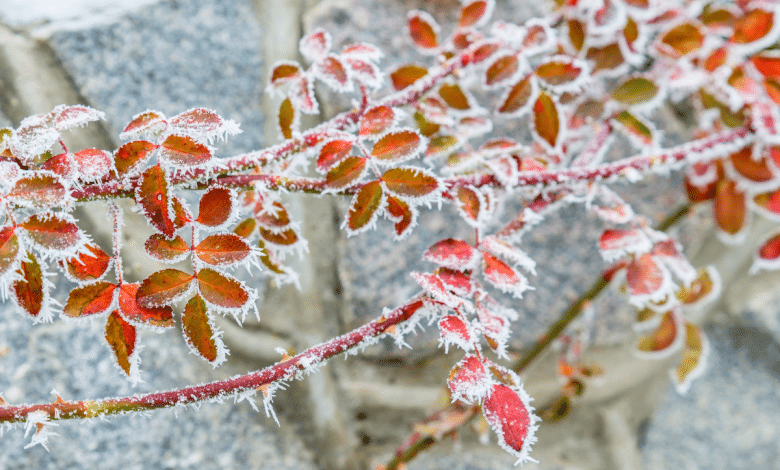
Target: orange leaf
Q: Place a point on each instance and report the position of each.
(163, 288)
(401, 214)
(286, 118)
(730, 207)
(183, 150)
(769, 66)
(197, 329)
(9, 248)
(345, 173)
(245, 228)
(152, 195)
(454, 97)
(558, 72)
(693, 358)
(219, 290)
(121, 338)
(332, 153)
(375, 121)
(474, 13)
(546, 121)
(518, 96)
(146, 121)
(28, 292)
(222, 249)
(285, 238)
(91, 299)
(397, 146)
(644, 276)
(404, 76)
(284, 73)
(215, 207)
(502, 69)
(131, 156)
(745, 165)
(409, 182)
(682, 39)
(422, 29)
(663, 337)
(51, 232)
(364, 206)
(605, 58)
(277, 217)
(129, 308)
(163, 249)
(38, 190)
(88, 267)
(753, 26)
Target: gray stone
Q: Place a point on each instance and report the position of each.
(728, 420)
(171, 57)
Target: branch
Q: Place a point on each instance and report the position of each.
(416, 443)
(281, 371)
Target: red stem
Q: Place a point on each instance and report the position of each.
(281, 371)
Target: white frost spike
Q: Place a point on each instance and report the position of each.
(203, 125)
(41, 436)
(501, 248)
(435, 287)
(9, 173)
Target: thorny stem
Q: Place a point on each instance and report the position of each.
(214, 390)
(555, 330)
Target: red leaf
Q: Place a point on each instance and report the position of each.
(644, 276)
(121, 338)
(91, 299)
(333, 73)
(157, 316)
(503, 276)
(753, 26)
(286, 118)
(38, 190)
(285, 238)
(509, 414)
(301, 95)
(346, 173)
(730, 207)
(749, 168)
(410, 182)
(181, 216)
(9, 248)
(456, 331)
(401, 214)
(475, 13)
(332, 153)
(423, 30)
(274, 218)
(93, 164)
(398, 146)
(196, 121)
(502, 69)
(484, 52)
(364, 207)
(315, 45)
(183, 150)
(435, 287)
(163, 288)
(197, 329)
(51, 231)
(222, 249)
(682, 39)
(376, 121)
(148, 121)
(469, 203)
(546, 121)
(518, 96)
(68, 117)
(452, 253)
(284, 72)
(167, 250)
(28, 292)
(406, 75)
(152, 195)
(769, 66)
(770, 249)
(616, 243)
(88, 267)
(469, 379)
(131, 156)
(215, 207)
(222, 291)
(456, 281)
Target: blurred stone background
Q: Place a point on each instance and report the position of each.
(172, 55)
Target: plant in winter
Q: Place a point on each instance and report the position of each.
(507, 122)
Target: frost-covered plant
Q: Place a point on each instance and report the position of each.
(568, 85)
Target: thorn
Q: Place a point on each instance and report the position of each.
(39, 426)
(59, 401)
(3, 402)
